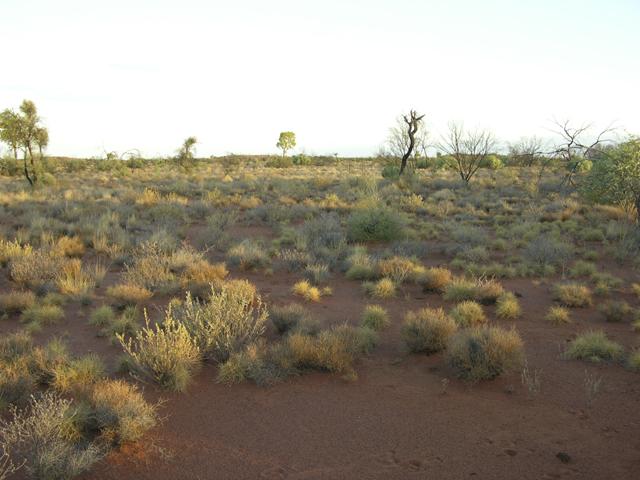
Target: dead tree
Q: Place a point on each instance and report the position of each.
(413, 124)
(469, 150)
(573, 150)
(526, 151)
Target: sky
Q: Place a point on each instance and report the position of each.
(116, 75)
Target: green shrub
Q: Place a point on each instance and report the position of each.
(572, 295)
(508, 307)
(164, 353)
(102, 316)
(378, 224)
(583, 269)
(468, 313)
(249, 255)
(287, 318)
(374, 317)
(460, 289)
(594, 347)
(38, 315)
(484, 353)
(633, 362)
(427, 330)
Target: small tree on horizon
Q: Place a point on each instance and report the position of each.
(286, 142)
(186, 151)
(469, 150)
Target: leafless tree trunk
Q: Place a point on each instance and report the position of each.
(526, 150)
(413, 123)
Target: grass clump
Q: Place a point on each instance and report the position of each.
(460, 289)
(594, 347)
(360, 265)
(484, 353)
(633, 362)
(374, 317)
(164, 353)
(508, 307)
(468, 313)
(16, 301)
(119, 411)
(128, 294)
(558, 316)
(78, 374)
(39, 315)
(248, 255)
(434, 279)
(427, 330)
(307, 291)
(102, 316)
(635, 288)
(574, 295)
(383, 288)
(288, 317)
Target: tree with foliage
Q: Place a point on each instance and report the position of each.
(185, 153)
(615, 177)
(23, 131)
(469, 150)
(286, 142)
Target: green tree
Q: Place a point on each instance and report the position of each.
(615, 177)
(10, 130)
(286, 142)
(185, 153)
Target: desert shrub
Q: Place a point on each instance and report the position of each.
(484, 353)
(128, 294)
(558, 316)
(594, 347)
(323, 232)
(200, 272)
(427, 330)
(307, 291)
(374, 317)
(468, 235)
(78, 374)
(102, 316)
(378, 224)
(477, 254)
(616, 311)
(127, 324)
(294, 260)
(119, 411)
(38, 315)
(35, 270)
(43, 437)
(635, 288)
(399, 269)
(317, 273)
(360, 265)
(249, 255)
(434, 279)
(16, 301)
(231, 318)
(383, 288)
(72, 279)
(164, 353)
(572, 295)
(150, 268)
(583, 269)
(507, 306)
(547, 251)
(488, 291)
(69, 247)
(255, 363)
(17, 381)
(468, 313)
(287, 318)
(460, 289)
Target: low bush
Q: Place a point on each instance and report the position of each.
(468, 314)
(119, 411)
(434, 279)
(633, 362)
(44, 438)
(460, 289)
(572, 295)
(164, 353)
(78, 374)
(16, 301)
(427, 330)
(39, 315)
(374, 317)
(307, 291)
(594, 347)
(102, 316)
(616, 311)
(483, 353)
(399, 269)
(288, 317)
(127, 294)
(230, 319)
(248, 255)
(383, 288)
(558, 316)
(508, 307)
(377, 224)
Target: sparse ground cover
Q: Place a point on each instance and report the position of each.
(158, 319)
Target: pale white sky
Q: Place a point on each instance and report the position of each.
(115, 75)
